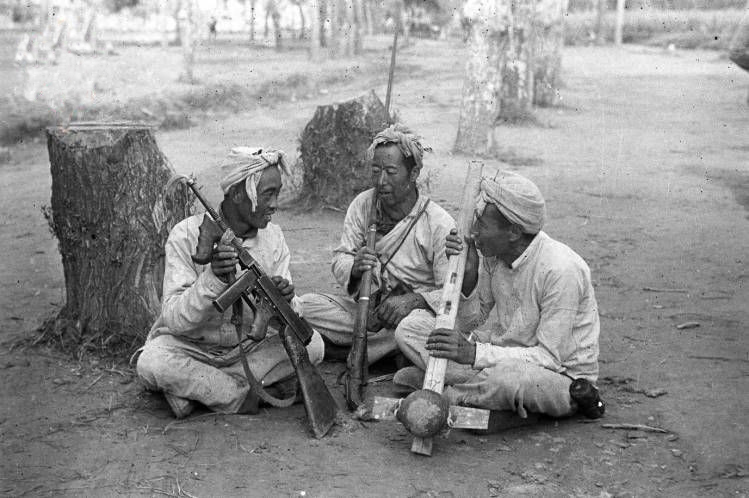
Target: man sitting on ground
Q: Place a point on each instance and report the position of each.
(408, 264)
(192, 351)
(545, 323)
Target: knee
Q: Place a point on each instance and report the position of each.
(312, 304)
(415, 328)
(316, 349)
(151, 361)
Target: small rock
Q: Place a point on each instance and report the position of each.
(503, 447)
(672, 437)
(676, 453)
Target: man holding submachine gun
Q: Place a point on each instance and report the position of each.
(196, 352)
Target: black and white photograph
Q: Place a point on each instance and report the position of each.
(374, 248)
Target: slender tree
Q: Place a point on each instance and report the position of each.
(488, 20)
(549, 40)
(188, 43)
(516, 100)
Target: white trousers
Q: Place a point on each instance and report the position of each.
(509, 385)
(333, 316)
(182, 368)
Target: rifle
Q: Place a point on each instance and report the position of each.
(259, 292)
(355, 379)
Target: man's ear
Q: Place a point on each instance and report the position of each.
(414, 174)
(516, 233)
(237, 193)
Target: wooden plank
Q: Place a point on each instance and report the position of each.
(434, 378)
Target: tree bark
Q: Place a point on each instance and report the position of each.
(111, 218)
(549, 40)
(482, 81)
(516, 96)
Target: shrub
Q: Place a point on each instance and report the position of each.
(683, 28)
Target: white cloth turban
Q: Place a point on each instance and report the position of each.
(516, 197)
(248, 163)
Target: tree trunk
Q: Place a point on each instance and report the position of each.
(111, 218)
(516, 96)
(549, 40)
(600, 12)
(314, 31)
(324, 23)
(302, 20)
(277, 29)
(368, 17)
(177, 26)
(252, 20)
(188, 44)
(482, 80)
(334, 39)
(347, 29)
(332, 149)
(358, 26)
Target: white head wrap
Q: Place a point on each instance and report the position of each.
(516, 197)
(248, 163)
(407, 142)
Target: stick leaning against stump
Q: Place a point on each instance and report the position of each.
(458, 417)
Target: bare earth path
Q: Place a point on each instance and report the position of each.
(646, 175)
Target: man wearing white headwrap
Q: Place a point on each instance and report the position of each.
(544, 328)
(408, 264)
(192, 353)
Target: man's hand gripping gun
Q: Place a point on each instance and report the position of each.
(259, 292)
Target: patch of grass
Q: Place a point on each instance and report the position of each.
(171, 111)
(511, 156)
(711, 29)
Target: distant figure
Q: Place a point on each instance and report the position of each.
(212, 28)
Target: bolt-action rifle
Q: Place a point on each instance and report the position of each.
(355, 379)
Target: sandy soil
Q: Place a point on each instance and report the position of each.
(645, 172)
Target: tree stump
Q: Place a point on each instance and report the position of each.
(332, 150)
(111, 218)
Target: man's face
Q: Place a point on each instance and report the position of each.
(492, 233)
(268, 187)
(389, 167)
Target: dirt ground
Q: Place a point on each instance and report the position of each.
(645, 172)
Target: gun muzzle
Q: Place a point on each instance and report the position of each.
(235, 291)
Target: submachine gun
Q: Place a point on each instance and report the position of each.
(258, 291)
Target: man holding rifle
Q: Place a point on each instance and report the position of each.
(192, 351)
(408, 264)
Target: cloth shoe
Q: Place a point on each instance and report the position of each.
(409, 378)
(181, 407)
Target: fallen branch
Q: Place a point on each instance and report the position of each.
(688, 325)
(635, 427)
(94, 382)
(717, 358)
(656, 289)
